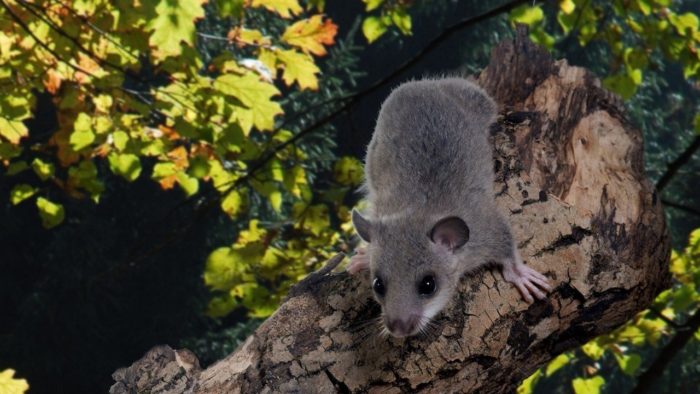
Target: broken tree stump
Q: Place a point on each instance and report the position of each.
(570, 176)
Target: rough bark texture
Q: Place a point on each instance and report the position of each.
(570, 172)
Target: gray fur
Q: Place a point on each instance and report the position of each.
(430, 158)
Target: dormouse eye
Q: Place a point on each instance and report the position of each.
(378, 287)
(427, 285)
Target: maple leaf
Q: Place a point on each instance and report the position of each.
(311, 34)
(299, 67)
(173, 24)
(255, 95)
(285, 8)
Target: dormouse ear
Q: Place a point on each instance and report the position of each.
(451, 233)
(362, 226)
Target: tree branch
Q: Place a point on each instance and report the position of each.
(646, 380)
(681, 207)
(673, 167)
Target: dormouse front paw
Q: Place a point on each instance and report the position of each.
(528, 281)
(359, 261)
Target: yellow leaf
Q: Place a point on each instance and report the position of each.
(567, 6)
(243, 36)
(588, 386)
(174, 24)
(373, 28)
(51, 214)
(283, 7)
(528, 385)
(255, 94)
(12, 130)
(269, 59)
(348, 171)
(10, 385)
(372, 4)
(231, 204)
(311, 34)
(299, 67)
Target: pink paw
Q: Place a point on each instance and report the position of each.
(528, 281)
(359, 261)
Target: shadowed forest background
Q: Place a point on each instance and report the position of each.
(169, 170)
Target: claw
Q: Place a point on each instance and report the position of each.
(358, 262)
(528, 281)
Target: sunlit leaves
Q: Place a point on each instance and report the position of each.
(13, 110)
(348, 171)
(390, 15)
(557, 363)
(300, 68)
(42, 169)
(20, 193)
(52, 214)
(82, 135)
(126, 165)
(527, 15)
(373, 28)
(256, 96)
(285, 8)
(172, 25)
(310, 35)
(588, 386)
(11, 385)
(134, 97)
(629, 363)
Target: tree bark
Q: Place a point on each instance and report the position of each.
(569, 173)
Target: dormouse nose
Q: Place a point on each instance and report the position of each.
(402, 327)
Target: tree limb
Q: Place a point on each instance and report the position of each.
(646, 381)
(569, 173)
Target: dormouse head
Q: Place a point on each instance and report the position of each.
(414, 267)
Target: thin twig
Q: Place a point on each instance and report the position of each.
(673, 167)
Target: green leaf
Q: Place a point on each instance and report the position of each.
(275, 198)
(373, 28)
(51, 214)
(85, 177)
(255, 94)
(372, 4)
(285, 8)
(567, 6)
(16, 167)
(402, 20)
(588, 386)
(43, 169)
(20, 193)
(593, 350)
(174, 24)
(528, 385)
(527, 15)
(557, 363)
(9, 151)
(685, 24)
(629, 363)
(621, 84)
(120, 139)
(221, 270)
(189, 184)
(126, 165)
(232, 203)
(348, 171)
(82, 135)
(299, 67)
(13, 130)
(230, 8)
